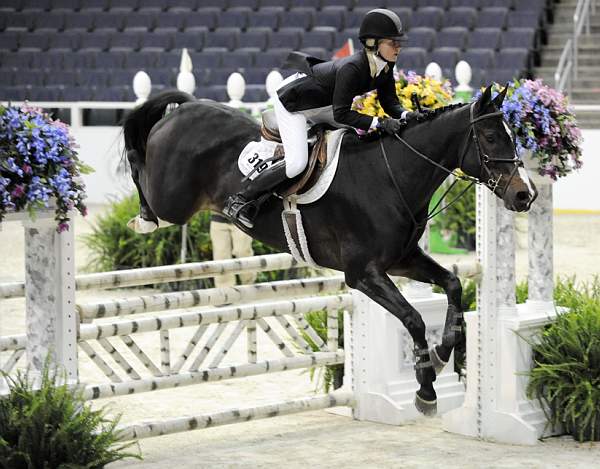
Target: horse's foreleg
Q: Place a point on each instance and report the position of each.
(422, 268)
(373, 282)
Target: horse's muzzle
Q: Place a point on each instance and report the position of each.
(519, 201)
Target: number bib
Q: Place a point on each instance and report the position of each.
(254, 155)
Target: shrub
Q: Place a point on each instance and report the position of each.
(330, 375)
(114, 246)
(458, 218)
(566, 375)
(53, 428)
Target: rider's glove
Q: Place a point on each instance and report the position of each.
(415, 116)
(389, 125)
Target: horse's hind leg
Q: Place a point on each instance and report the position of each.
(419, 266)
(374, 282)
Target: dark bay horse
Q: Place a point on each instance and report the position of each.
(368, 223)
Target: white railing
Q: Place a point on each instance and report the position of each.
(564, 70)
(567, 68)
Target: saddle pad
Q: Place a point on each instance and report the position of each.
(334, 142)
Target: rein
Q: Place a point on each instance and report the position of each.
(491, 183)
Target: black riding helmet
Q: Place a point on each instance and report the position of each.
(381, 23)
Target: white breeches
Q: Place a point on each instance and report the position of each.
(293, 130)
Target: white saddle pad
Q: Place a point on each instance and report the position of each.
(254, 155)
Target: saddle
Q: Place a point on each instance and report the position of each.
(317, 154)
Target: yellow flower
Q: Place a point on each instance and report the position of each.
(431, 94)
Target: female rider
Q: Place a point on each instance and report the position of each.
(322, 92)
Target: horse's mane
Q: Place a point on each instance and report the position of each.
(433, 113)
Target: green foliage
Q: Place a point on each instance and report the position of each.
(458, 218)
(114, 246)
(522, 291)
(53, 428)
(566, 376)
(330, 375)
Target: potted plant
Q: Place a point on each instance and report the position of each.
(39, 167)
(566, 373)
(50, 425)
(547, 137)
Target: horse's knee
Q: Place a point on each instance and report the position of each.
(452, 285)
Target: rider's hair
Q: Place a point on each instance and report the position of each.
(371, 44)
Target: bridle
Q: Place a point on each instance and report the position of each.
(491, 183)
(486, 175)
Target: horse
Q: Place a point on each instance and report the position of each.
(367, 224)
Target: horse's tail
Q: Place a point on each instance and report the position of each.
(138, 123)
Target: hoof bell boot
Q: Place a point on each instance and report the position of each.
(436, 361)
(427, 408)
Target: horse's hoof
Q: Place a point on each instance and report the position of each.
(427, 408)
(438, 363)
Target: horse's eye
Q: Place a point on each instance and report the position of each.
(489, 138)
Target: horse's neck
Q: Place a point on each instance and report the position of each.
(439, 141)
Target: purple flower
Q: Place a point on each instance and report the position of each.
(38, 163)
(18, 191)
(543, 124)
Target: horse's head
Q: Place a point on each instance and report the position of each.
(490, 155)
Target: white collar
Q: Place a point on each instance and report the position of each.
(376, 63)
(380, 63)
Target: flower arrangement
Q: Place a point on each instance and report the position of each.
(544, 125)
(38, 165)
(431, 93)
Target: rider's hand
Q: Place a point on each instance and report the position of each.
(416, 116)
(389, 125)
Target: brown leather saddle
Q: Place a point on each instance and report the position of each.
(317, 158)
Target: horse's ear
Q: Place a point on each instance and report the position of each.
(498, 100)
(486, 96)
(484, 101)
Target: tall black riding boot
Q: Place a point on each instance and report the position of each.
(243, 206)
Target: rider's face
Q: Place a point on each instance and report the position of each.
(389, 49)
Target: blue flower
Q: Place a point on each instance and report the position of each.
(38, 163)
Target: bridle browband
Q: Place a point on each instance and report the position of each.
(471, 137)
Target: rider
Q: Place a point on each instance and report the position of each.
(322, 92)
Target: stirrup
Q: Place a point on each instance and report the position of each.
(235, 209)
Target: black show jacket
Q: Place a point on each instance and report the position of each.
(336, 83)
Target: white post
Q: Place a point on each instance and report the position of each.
(142, 86)
(185, 79)
(272, 82)
(185, 82)
(433, 70)
(236, 87)
(541, 250)
(496, 407)
(463, 74)
(50, 295)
